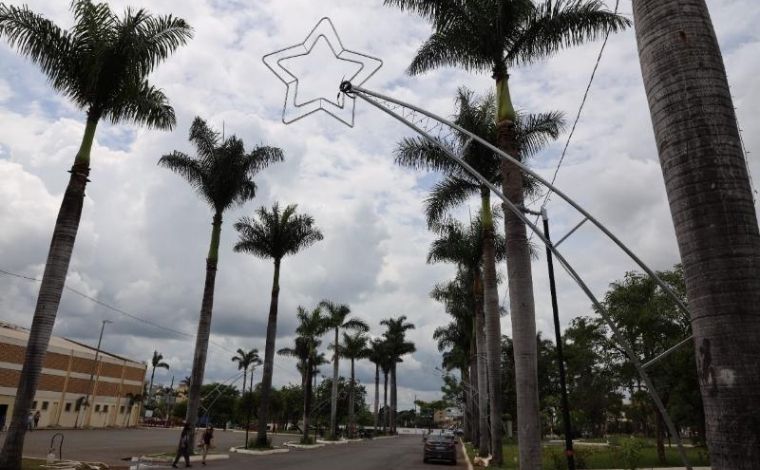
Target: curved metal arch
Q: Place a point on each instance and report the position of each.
(372, 98)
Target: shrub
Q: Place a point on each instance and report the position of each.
(629, 452)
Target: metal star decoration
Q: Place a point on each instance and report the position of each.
(337, 107)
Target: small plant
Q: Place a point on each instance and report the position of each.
(629, 452)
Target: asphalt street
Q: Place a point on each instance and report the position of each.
(111, 446)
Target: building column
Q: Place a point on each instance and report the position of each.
(119, 393)
(91, 408)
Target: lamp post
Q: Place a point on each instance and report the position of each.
(91, 388)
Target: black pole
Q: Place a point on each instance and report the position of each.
(560, 356)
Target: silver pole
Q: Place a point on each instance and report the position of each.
(572, 231)
(573, 274)
(359, 91)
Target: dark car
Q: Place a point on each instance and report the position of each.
(440, 447)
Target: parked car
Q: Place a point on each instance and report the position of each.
(440, 447)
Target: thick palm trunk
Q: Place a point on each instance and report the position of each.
(475, 396)
(484, 436)
(307, 403)
(492, 327)
(351, 403)
(266, 378)
(394, 397)
(51, 288)
(467, 411)
(204, 329)
(334, 393)
(521, 304)
(377, 396)
(711, 204)
(150, 387)
(386, 414)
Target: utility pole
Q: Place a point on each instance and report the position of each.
(560, 356)
(91, 387)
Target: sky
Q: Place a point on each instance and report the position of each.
(144, 234)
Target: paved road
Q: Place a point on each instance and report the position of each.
(400, 453)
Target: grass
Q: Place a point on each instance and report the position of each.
(588, 457)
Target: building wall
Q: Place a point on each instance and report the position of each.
(66, 377)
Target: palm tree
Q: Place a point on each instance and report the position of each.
(102, 64)
(311, 325)
(478, 115)
(464, 247)
(337, 320)
(395, 335)
(377, 355)
(712, 207)
(222, 175)
(495, 36)
(246, 359)
(354, 347)
(274, 235)
(134, 398)
(156, 362)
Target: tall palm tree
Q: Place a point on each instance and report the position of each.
(377, 356)
(395, 335)
(102, 65)
(712, 207)
(464, 247)
(338, 320)
(495, 36)
(386, 367)
(157, 361)
(275, 234)
(353, 347)
(478, 115)
(222, 175)
(246, 359)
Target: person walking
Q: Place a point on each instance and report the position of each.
(206, 442)
(184, 447)
(37, 418)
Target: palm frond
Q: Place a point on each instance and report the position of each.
(449, 48)
(535, 131)
(185, 166)
(445, 195)
(419, 153)
(144, 104)
(263, 156)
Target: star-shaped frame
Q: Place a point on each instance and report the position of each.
(338, 108)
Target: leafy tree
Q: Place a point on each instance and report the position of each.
(101, 64)
(222, 175)
(338, 320)
(275, 234)
(495, 36)
(218, 403)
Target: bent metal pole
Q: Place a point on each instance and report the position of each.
(618, 337)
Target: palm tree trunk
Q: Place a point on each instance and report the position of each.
(377, 396)
(334, 395)
(266, 377)
(386, 414)
(351, 423)
(467, 411)
(480, 359)
(150, 387)
(475, 396)
(204, 328)
(521, 303)
(247, 408)
(51, 288)
(492, 326)
(307, 402)
(711, 204)
(394, 397)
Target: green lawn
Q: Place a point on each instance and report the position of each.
(588, 457)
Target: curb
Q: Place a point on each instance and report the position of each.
(193, 458)
(333, 443)
(466, 456)
(258, 452)
(298, 445)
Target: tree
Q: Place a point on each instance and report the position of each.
(395, 335)
(133, 399)
(275, 234)
(378, 356)
(157, 361)
(222, 175)
(219, 402)
(246, 359)
(478, 115)
(354, 347)
(495, 36)
(337, 320)
(311, 325)
(711, 203)
(102, 65)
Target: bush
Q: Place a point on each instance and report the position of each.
(629, 452)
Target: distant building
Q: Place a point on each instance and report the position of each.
(65, 386)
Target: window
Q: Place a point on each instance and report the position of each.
(44, 405)
(105, 408)
(34, 405)
(121, 410)
(68, 407)
(97, 408)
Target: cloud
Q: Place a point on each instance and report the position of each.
(144, 234)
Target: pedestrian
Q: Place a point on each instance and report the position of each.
(30, 421)
(37, 418)
(183, 450)
(207, 440)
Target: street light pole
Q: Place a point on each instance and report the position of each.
(560, 356)
(92, 374)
